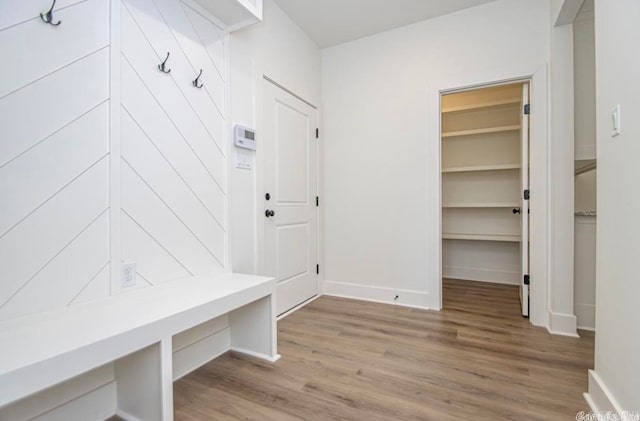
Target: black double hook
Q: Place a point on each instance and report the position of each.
(163, 66)
(48, 17)
(195, 82)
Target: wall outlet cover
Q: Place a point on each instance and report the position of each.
(128, 275)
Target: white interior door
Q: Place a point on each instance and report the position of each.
(290, 212)
(524, 206)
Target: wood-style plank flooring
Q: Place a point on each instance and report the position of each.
(350, 360)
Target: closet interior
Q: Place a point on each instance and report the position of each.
(485, 174)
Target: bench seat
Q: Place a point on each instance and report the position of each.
(43, 350)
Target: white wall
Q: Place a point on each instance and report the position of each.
(375, 124)
(585, 250)
(586, 191)
(585, 83)
(279, 49)
(617, 366)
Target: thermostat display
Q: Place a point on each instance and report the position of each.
(244, 137)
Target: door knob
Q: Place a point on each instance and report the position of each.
(516, 210)
(269, 213)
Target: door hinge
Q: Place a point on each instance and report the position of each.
(317, 133)
(317, 201)
(527, 195)
(317, 269)
(527, 109)
(527, 279)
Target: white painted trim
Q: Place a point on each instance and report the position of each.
(299, 306)
(481, 275)
(568, 12)
(115, 174)
(599, 397)
(586, 312)
(229, 159)
(243, 24)
(407, 298)
(320, 209)
(166, 377)
(540, 178)
(258, 177)
(563, 324)
(126, 416)
(256, 354)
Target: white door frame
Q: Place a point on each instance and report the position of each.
(539, 180)
(259, 80)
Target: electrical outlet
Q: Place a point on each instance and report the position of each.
(128, 275)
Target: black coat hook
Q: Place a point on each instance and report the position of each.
(195, 82)
(48, 17)
(162, 67)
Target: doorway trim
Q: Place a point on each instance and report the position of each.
(539, 179)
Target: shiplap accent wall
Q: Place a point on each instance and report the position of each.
(60, 183)
(174, 173)
(54, 156)
(55, 160)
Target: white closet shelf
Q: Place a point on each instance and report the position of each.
(482, 205)
(483, 105)
(482, 168)
(481, 131)
(482, 237)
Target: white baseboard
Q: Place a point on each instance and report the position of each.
(400, 297)
(586, 314)
(481, 275)
(599, 396)
(257, 355)
(563, 324)
(126, 416)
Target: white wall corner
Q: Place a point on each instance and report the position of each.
(561, 318)
(563, 324)
(599, 397)
(400, 297)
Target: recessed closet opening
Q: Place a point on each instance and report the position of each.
(485, 196)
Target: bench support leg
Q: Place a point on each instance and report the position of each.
(254, 330)
(144, 390)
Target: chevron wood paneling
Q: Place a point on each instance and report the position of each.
(54, 155)
(160, 39)
(49, 50)
(173, 146)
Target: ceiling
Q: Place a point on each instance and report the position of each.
(333, 22)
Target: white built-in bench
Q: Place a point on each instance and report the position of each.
(135, 333)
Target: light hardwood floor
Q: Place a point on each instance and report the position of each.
(343, 359)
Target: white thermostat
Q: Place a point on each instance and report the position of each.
(244, 137)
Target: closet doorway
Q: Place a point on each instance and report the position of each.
(485, 187)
